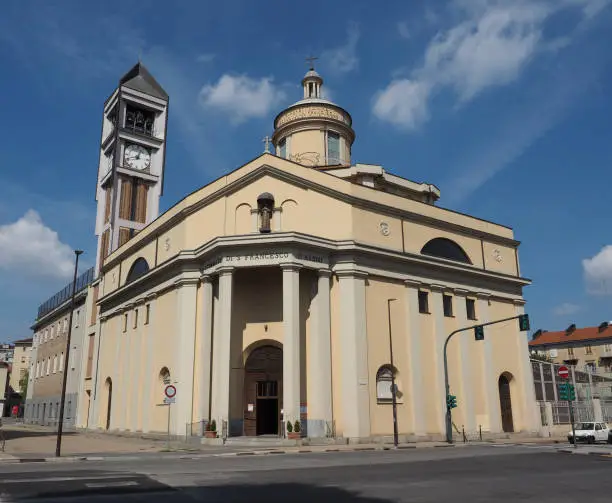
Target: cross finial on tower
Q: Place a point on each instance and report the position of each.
(267, 141)
(311, 60)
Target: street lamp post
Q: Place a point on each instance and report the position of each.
(58, 446)
(393, 390)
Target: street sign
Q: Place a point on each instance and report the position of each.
(170, 391)
(168, 401)
(563, 372)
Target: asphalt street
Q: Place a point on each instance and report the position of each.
(462, 474)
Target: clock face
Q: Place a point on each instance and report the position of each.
(137, 157)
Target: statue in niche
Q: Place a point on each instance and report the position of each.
(265, 205)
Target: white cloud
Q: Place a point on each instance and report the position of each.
(490, 46)
(403, 30)
(34, 249)
(344, 59)
(242, 97)
(598, 272)
(566, 309)
(403, 103)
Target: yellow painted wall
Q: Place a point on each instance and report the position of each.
(367, 229)
(377, 293)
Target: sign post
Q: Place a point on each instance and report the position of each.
(567, 392)
(169, 399)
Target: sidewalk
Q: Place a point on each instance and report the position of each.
(31, 443)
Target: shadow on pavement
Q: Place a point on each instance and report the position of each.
(12, 434)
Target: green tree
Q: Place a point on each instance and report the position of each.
(23, 383)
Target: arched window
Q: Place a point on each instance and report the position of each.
(384, 378)
(139, 268)
(445, 248)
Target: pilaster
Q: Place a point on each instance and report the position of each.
(437, 311)
(489, 379)
(531, 420)
(415, 357)
(466, 365)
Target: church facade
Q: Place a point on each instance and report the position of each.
(277, 292)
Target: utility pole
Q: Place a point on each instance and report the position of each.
(393, 390)
(58, 446)
(479, 336)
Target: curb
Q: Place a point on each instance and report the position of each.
(74, 459)
(585, 453)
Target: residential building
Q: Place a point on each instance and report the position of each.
(588, 349)
(22, 357)
(268, 295)
(48, 361)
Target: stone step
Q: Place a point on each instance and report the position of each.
(261, 441)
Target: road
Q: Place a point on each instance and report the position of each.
(474, 474)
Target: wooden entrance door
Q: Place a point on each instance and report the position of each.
(263, 380)
(505, 403)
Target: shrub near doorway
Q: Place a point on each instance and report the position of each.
(293, 430)
(211, 430)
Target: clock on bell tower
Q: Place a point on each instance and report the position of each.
(132, 158)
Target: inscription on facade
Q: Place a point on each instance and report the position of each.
(262, 257)
(312, 112)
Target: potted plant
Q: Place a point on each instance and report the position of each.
(211, 430)
(293, 430)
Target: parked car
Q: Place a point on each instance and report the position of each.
(591, 432)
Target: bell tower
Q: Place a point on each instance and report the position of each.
(132, 158)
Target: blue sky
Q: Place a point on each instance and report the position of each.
(505, 105)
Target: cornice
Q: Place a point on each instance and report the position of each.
(460, 292)
(266, 169)
(344, 254)
(411, 283)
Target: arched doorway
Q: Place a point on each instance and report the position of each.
(109, 394)
(505, 402)
(263, 383)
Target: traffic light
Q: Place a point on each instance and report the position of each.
(479, 333)
(572, 393)
(451, 401)
(523, 320)
(563, 391)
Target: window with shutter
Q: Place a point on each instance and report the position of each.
(125, 205)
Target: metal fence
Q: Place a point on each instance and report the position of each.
(588, 385)
(606, 410)
(583, 411)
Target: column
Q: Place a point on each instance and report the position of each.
(414, 357)
(221, 351)
(531, 417)
(354, 348)
(489, 378)
(181, 413)
(319, 365)
(205, 342)
(437, 311)
(291, 342)
(149, 402)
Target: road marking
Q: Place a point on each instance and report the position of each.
(112, 484)
(67, 479)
